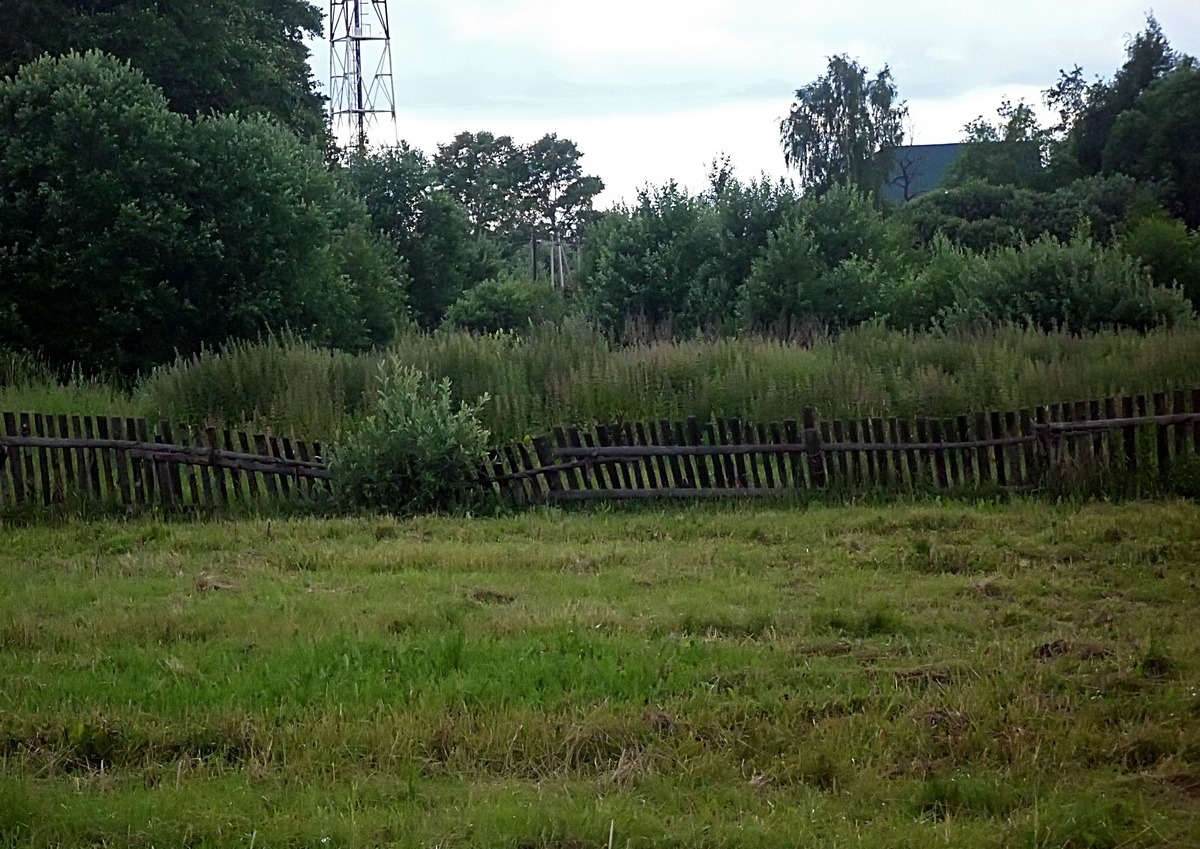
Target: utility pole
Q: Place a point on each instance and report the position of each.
(357, 97)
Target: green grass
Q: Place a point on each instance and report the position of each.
(571, 374)
(909, 675)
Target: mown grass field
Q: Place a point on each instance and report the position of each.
(899, 676)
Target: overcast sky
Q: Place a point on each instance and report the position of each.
(653, 90)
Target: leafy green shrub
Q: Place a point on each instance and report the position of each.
(1172, 254)
(506, 304)
(1077, 286)
(416, 452)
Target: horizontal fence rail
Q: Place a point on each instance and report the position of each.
(732, 458)
(53, 459)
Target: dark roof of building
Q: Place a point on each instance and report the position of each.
(917, 169)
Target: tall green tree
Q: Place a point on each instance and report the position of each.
(842, 127)
(555, 195)
(1094, 112)
(1155, 141)
(216, 56)
(482, 172)
(511, 190)
(1012, 151)
(444, 253)
(129, 232)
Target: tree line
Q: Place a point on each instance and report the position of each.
(168, 182)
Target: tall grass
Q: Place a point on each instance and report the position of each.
(28, 383)
(571, 373)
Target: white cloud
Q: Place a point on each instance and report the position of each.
(653, 89)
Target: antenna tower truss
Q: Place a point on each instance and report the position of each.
(358, 32)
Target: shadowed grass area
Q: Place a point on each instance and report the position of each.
(910, 675)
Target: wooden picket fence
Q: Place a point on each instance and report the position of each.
(48, 459)
(731, 458)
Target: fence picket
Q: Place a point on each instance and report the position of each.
(15, 460)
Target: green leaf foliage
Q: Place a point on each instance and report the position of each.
(431, 233)
(129, 232)
(677, 258)
(417, 452)
(1168, 250)
(509, 304)
(839, 126)
(1076, 286)
(217, 56)
(821, 267)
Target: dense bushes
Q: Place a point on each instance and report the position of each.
(1075, 286)
(129, 232)
(417, 451)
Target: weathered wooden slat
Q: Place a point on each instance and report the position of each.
(167, 474)
(519, 492)
(270, 482)
(86, 461)
(69, 458)
(558, 439)
(243, 446)
(962, 433)
(655, 467)
(954, 475)
(622, 435)
(729, 472)
(983, 457)
(718, 463)
(855, 457)
(872, 457)
(998, 457)
(767, 457)
(1162, 436)
(530, 466)
(795, 458)
(696, 440)
(47, 480)
(553, 479)
(120, 460)
(1129, 433)
(1012, 450)
(237, 484)
(667, 434)
(753, 456)
(928, 471)
(1029, 470)
(598, 472)
(141, 432)
(1196, 426)
(939, 455)
(781, 459)
(816, 441)
(13, 468)
(640, 467)
(891, 434)
(842, 458)
(912, 459)
(587, 475)
(1179, 408)
(733, 427)
(616, 477)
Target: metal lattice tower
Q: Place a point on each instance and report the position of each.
(357, 97)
